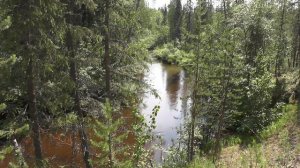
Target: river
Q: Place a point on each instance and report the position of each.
(170, 84)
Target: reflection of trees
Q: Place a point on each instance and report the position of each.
(184, 97)
(173, 75)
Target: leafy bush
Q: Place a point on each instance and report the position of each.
(171, 54)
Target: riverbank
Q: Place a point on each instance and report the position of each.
(278, 145)
(170, 85)
(170, 54)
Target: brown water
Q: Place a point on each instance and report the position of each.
(170, 84)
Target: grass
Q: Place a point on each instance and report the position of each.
(289, 115)
(278, 145)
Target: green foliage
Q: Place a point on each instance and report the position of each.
(254, 151)
(202, 163)
(172, 54)
(176, 158)
(257, 81)
(233, 82)
(257, 109)
(2, 107)
(143, 132)
(4, 151)
(175, 19)
(289, 114)
(228, 52)
(110, 140)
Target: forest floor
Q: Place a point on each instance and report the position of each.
(279, 147)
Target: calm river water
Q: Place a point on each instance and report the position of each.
(170, 84)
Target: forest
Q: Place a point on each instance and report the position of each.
(118, 83)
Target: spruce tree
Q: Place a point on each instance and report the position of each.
(30, 39)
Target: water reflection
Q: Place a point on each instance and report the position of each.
(170, 83)
(173, 84)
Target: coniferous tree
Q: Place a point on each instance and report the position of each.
(281, 53)
(30, 39)
(175, 18)
(165, 15)
(189, 16)
(78, 29)
(296, 43)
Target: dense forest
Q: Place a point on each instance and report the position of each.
(72, 78)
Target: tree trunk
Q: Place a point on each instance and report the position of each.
(189, 21)
(221, 117)
(77, 107)
(296, 40)
(33, 113)
(177, 20)
(194, 109)
(281, 49)
(31, 93)
(225, 9)
(74, 150)
(192, 137)
(137, 5)
(107, 65)
(107, 52)
(225, 89)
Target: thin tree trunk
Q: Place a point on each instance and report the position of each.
(74, 150)
(84, 145)
(189, 22)
(107, 51)
(33, 114)
(189, 142)
(77, 107)
(296, 61)
(280, 52)
(31, 93)
(296, 47)
(225, 9)
(225, 90)
(194, 105)
(82, 133)
(177, 20)
(221, 118)
(194, 110)
(107, 64)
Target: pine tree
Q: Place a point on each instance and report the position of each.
(110, 143)
(189, 16)
(281, 53)
(296, 43)
(175, 19)
(76, 32)
(30, 39)
(256, 76)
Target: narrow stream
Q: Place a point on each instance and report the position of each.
(170, 83)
